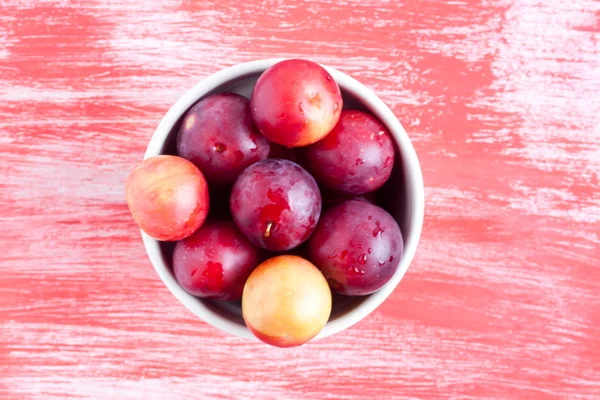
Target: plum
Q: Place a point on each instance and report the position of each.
(219, 136)
(296, 103)
(355, 158)
(168, 197)
(286, 301)
(276, 204)
(357, 246)
(215, 261)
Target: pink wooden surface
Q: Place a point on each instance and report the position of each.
(501, 100)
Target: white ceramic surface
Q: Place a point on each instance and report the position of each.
(408, 208)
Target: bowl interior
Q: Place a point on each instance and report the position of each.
(404, 204)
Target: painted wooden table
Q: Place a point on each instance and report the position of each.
(501, 100)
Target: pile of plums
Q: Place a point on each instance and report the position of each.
(289, 177)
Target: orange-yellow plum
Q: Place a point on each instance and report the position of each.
(168, 197)
(286, 301)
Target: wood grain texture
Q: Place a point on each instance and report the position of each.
(501, 101)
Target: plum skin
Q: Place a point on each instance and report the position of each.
(295, 103)
(276, 204)
(215, 261)
(167, 197)
(357, 157)
(219, 136)
(286, 301)
(357, 246)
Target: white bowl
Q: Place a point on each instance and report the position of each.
(406, 200)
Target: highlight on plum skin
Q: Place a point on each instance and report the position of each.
(276, 204)
(215, 261)
(286, 301)
(296, 103)
(168, 197)
(357, 157)
(219, 136)
(357, 246)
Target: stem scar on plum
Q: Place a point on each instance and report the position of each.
(268, 229)
(315, 99)
(220, 147)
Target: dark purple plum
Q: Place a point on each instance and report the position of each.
(357, 246)
(219, 136)
(355, 158)
(215, 261)
(276, 204)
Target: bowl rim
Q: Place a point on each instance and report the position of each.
(376, 106)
